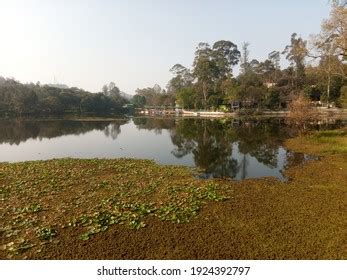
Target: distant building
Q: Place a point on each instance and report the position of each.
(269, 85)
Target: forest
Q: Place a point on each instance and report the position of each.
(316, 69)
(28, 99)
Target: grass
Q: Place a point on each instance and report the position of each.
(325, 142)
(124, 208)
(334, 141)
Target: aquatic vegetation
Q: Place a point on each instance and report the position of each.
(33, 208)
(92, 195)
(46, 233)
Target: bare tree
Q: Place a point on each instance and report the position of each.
(301, 112)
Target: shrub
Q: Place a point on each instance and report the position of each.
(301, 112)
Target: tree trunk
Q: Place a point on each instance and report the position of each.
(204, 91)
(329, 80)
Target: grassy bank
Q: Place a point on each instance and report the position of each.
(325, 142)
(136, 209)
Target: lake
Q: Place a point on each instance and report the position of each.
(233, 148)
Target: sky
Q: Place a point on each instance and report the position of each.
(135, 43)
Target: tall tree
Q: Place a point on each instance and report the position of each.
(245, 66)
(330, 45)
(334, 29)
(214, 65)
(182, 78)
(113, 89)
(275, 58)
(230, 90)
(226, 56)
(105, 89)
(205, 70)
(296, 53)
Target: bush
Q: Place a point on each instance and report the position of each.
(301, 112)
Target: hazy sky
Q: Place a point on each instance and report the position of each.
(135, 43)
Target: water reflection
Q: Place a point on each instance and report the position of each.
(18, 131)
(228, 148)
(218, 147)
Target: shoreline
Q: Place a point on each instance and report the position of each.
(218, 114)
(324, 112)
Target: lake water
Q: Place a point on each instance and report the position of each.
(218, 147)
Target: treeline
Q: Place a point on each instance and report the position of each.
(26, 99)
(317, 69)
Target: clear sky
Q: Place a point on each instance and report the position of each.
(135, 43)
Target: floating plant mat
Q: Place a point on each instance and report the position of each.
(41, 198)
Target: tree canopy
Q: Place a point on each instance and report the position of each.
(20, 99)
(317, 69)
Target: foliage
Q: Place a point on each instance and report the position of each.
(23, 99)
(186, 97)
(262, 84)
(334, 30)
(154, 96)
(301, 112)
(90, 196)
(296, 53)
(272, 99)
(183, 78)
(139, 101)
(210, 82)
(46, 233)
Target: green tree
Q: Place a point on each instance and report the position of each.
(275, 59)
(113, 89)
(245, 65)
(272, 98)
(105, 89)
(226, 55)
(231, 89)
(182, 78)
(153, 95)
(212, 66)
(205, 70)
(187, 97)
(139, 101)
(296, 53)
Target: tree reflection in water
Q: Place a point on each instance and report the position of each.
(222, 147)
(18, 131)
(236, 148)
